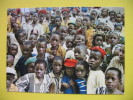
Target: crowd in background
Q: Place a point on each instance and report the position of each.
(69, 50)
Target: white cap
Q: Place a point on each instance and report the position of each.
(10, 70)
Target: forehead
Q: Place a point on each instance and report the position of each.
(78, 19)
(111, 73)
(113, 35)
(41, 43)
(55, 36)
(27, 46)
(13, 46)
(32, 36)
(57, 61)
(80, 36)
(80, 67)
(95, 53)
(40, 65)
(99, 37)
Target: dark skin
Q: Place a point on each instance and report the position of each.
(95, 60)
(40, 70)
(13, 50)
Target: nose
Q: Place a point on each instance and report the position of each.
(76, 54)
(109, 80)
(79, 73)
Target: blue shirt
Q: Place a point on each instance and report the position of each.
(81, 84)
(67, 79)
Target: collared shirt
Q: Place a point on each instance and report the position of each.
(30, 83)
(56, 81)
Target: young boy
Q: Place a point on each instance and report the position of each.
(20, 67)
(112, 80)
(81, 52)
(30, 64)
(56, 74)
(37, 82)
(10, 74)
(42, 54)
(56, 48)
(96, 77)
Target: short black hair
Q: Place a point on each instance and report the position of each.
(18, 33)
(94, 37)
(41, 61)
(117, 70)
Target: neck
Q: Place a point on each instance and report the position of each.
(57, 75)
(112, 91)
(41, 56)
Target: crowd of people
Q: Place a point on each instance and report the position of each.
(66, 50)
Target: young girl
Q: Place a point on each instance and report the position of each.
(82, 69)
(112, 81)
(56, 74)
(67, 83)
(35, 82)
(96, 77)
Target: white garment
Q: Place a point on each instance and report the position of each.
(95, 79)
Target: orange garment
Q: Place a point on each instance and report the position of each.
(89, 37)
(13, 88)
(60, 52)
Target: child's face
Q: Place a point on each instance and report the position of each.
(100, 27)
(80, 39)
(21, 38)
(79, 53)
(55, 40)
(9, 80)
(57, 66)
(58, 21)
(10, 61)
(98, 41)
(35, 17)
(111, 79)
(113, 39)
(69, 43)
(95, 60)
(40, 70)
(78, 22)
(112, 15)
(107, 28)
(104, 12)
(13, 50)
(118, 17)
(41, 47)
(70, 71)
(118, 28)
(71, 27)
(31, 68)
(26, 50)
(93, 15)
(86, 21)
(33, 39)
(63, 32)
(80, 71)
(122, 53)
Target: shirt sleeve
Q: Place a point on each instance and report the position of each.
(22, 83)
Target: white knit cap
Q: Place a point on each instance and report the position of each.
(10, 70)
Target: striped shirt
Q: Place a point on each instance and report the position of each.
(81, 84)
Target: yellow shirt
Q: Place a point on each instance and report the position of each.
(60, 52)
